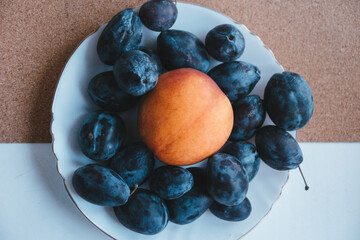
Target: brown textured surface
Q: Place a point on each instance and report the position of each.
(318, 39)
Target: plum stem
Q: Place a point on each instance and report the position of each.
(306, 186)
(134, 190)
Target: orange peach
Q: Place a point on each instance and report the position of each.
(185, 118)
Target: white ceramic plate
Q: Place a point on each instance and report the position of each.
(71, 104)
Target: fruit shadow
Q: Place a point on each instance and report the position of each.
(111, 213)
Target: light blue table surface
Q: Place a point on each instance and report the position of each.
(35, 205)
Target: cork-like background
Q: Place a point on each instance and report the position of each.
(318, 39)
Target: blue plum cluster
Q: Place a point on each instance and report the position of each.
(144, 213)
(225, 43)
(136, 68)
(134, 163)
(192, 204)
(100, 185)
(122, 33)
(247, 155)
(181, 49)
(105, 93)
(288, 101)
(101, 135)
(227, 180)
(249, 115)
(158, 15)
(234, 213)
(277, 148)
(136, 72)
(171, 182)
(178, 194)
(236, 79)
(155, 57)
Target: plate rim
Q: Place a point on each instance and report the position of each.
(56, 90)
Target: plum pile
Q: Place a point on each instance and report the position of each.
(237, 79)
(101, 135)
(123, 33)
(175, 193)
(246, 154)
(227, 180)
(100, 185)
(192, 204)
(181, 49)
(225, 43)
(171, 182)
(158, 15)
(134, 163)
(145, 213)
(288, 101)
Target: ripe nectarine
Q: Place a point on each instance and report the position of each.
(185, 118)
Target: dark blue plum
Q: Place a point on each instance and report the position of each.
(171, 182)
(235, 79)
(181, 49)
(277, 148)
(154, 56)
(233, 213)
(144, 213)
(288, 101)
(158, 15)
(246, 154)
(100, 185)
(249, 115)
(133, 163)
(225, 43)
(192, 204)
(227, 181)
(123, 33)
(105, 93)
(136, 72)
(101, 135)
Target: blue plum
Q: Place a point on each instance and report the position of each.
(101, 135)
(171, 182)
(277, 148)
(192, 204)
(105, 93)
(144, 213)
(225, 43)
(288, 101)
(122, 33)
(136, 72)
(181, 49)
(134, 163)
(100, 185)
(158, 15)
(227, 181)
(154, 56)
(249, 115)
(233, 213)
(235, 79)
(246, 154)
